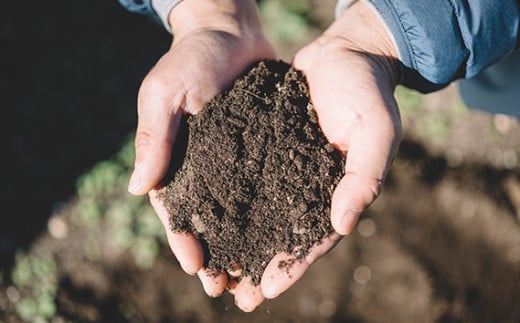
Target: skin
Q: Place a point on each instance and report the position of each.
(351, 71)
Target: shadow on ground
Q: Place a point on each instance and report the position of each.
(70, 71)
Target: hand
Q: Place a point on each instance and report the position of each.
(351, 71)
(214, 42)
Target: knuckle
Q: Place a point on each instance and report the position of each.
(369, 187)
(143, 138)
(374, 186)
(153, 84)
(353, 119)
(149, 138)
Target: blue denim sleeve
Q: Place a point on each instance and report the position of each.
(143, 7)
(444, 40)
(157, 8)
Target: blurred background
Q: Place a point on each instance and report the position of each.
(441, 244)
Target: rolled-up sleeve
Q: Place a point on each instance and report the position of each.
(143, 7)
(158, 8)
(443, 40)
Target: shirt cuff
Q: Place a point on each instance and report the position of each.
(159, 8)
(343, 5)
(143, 7)
(163, 8)
(443, 40)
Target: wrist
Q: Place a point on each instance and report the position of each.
(362, 30)
(231, 16)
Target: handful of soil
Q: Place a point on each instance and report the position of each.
(258, 173)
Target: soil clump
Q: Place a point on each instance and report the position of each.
(258, 174)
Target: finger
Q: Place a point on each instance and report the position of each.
(186, 248)
(321, 248)
(158, 120)
(213, 284)
(276, 280)
(232, 285)
(235, 271)
(248, 296)
(371, 149)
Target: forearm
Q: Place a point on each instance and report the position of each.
(231, 16)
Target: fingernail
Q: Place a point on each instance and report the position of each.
(348, 222)
(135, 181)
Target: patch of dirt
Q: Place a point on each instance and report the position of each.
(258, 175)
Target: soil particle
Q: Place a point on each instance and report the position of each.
(258, 173)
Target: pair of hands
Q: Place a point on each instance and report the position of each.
(351, 72)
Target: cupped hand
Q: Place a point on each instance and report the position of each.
(214, 42)
(351, 71)
(352, 74)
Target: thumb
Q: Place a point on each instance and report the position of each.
(352, 196)
(157, 127)
(370, 154)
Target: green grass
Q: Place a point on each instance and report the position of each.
(130, 223)
(409, 101)
(127, 223)
(36, 277)
(285, 21)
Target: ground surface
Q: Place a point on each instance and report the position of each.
(441, 244)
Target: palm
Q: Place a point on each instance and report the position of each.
(358, 115)
(197, 67)
(352, 92)
(200, 65)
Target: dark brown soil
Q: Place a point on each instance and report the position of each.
(258, 174)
